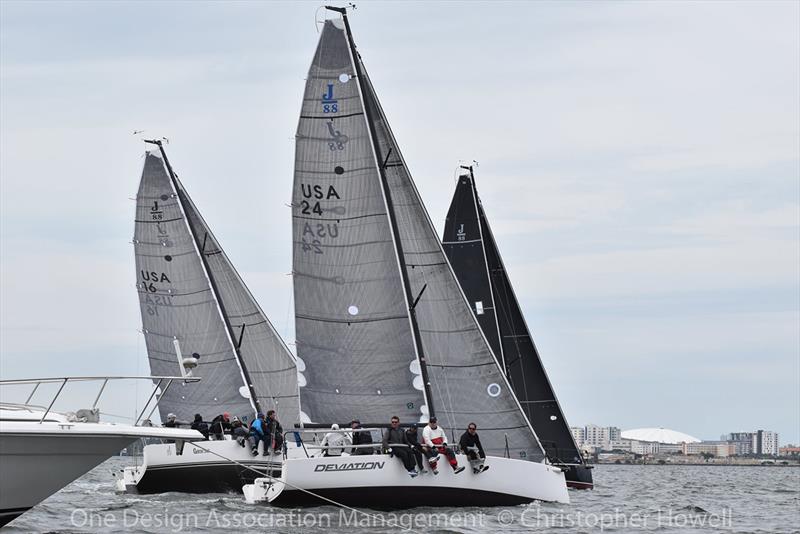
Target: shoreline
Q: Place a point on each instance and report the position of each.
(667, 464)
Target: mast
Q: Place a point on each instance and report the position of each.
(486, 264)
(212, 282)
(411, 301)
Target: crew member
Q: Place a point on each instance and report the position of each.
(258, 433)
(396, 443)
(221, 425)
(435, 439)
(470, 445)
(360, 438)
(333, 442)
(412, 436)
(200, 425)
(275, 432)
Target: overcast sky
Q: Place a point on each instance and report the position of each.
(639, 163)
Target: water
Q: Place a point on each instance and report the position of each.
(684, 499)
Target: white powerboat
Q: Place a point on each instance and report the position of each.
(41, 451)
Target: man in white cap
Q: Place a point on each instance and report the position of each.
(435, 440)
(334, 442)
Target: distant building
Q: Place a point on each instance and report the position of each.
(759, 442)
(597, 437)
(720, 449)
(578, 434)
(742, 443)
(593, 438)
(766, 442)
(789, 450)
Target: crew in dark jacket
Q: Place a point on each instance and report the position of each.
(360, 438)
(395, 442)
(221, 425)
(200, 425)
(240, 433)
(470, 445)
(412, 436)
(275, 432)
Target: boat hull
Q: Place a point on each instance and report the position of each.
(579, 477)
(381, 482)
(38, 459)
(203, 467)
(33, 465)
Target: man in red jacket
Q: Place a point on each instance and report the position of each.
(435, 440)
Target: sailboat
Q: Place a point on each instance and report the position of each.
(475, 258)
(198, 313)
(382, 326)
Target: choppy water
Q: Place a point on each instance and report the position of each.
(683, 499)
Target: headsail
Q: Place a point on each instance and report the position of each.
(191, 294)
(473, 253)
(465, 382)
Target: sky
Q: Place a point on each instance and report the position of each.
(639, 163)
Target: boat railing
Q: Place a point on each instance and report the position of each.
(63, 380)
(296, 435)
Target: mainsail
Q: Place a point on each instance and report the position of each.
(352, 326)
(473, 253)
(378, 308)
(192, 299)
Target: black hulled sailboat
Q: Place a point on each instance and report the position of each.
(473, 254)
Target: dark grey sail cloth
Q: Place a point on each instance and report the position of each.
(267, 360)
(352, 326)
(177, 302)
(466, 382)
(473, 253)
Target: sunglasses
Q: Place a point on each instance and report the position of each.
(472, 428)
